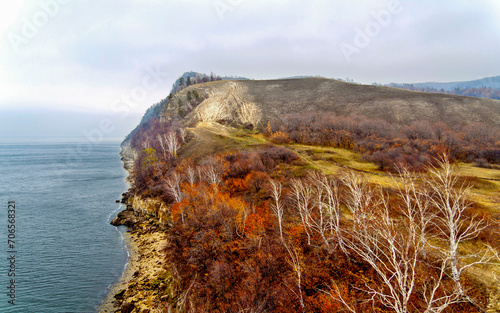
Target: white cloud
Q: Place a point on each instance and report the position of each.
(92, 52)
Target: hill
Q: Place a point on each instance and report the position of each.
(482, 88)
(487, 82)
(277, 196)
(256, 102)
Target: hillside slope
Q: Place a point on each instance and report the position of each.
(256, 102)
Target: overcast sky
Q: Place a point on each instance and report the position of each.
(112, 59)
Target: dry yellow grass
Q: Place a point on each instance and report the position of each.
(485, 185)
(212, 138)
(335, 160)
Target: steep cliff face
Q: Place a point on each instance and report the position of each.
(152, 207)
(226, 102)
(140, 209)
(128, 155)
(138, 206)
(229, 102)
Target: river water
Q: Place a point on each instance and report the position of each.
(65, 253)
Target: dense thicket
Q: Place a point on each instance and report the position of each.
(390, 145)
(247, 236)
(193, 78)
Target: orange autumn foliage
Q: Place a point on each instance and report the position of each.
(257, 222)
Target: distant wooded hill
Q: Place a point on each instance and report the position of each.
(482, 88)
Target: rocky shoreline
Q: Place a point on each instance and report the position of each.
(109, 302)
(135, 290)
(145, 239)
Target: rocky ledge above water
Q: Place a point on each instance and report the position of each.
(128, 218)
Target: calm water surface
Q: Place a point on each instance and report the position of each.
(67, 253)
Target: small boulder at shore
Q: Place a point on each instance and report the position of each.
(120, 294)
(125, 197)
(127, 307)
(125, 218)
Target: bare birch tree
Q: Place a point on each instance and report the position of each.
(393, 248)
(191, 176)
(450, 200)
(318, 203)
(336, 294)
(213, 174)
(146, 144)
(173, 186)
(295, 260)
(182, 134)
(358, 196)
(169, 143)
(277, 205)
(391, 253)
(324, 215)
(301, 194)
(163, 145)
(331, 205)
(416, 206)
(172, 142)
